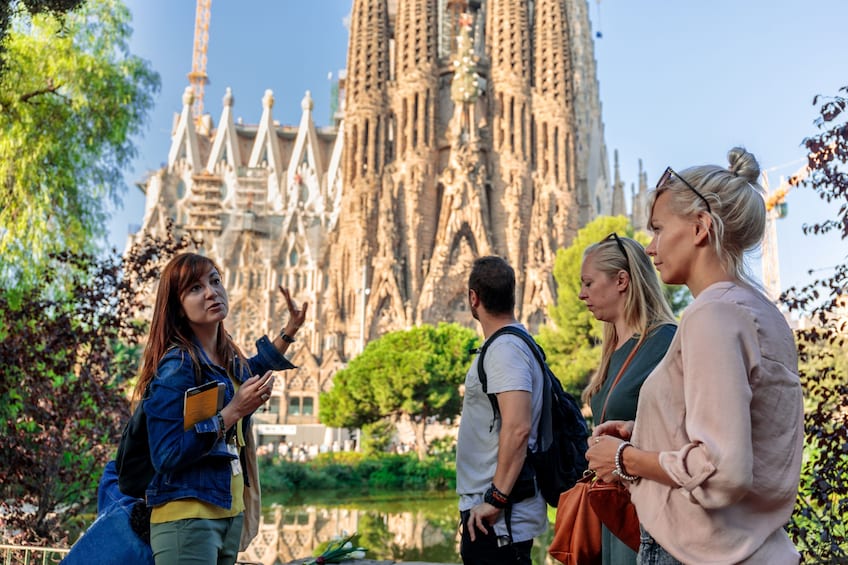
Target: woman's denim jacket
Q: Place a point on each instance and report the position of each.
(194, 463)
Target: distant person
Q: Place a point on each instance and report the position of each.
(620, 287)
(498, 523)
(206, 484)
(714, 458)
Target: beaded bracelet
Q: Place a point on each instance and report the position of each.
(619, 468)
(223, 429)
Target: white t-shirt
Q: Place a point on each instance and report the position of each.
(510, 365)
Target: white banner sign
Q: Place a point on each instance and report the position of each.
(276, 429)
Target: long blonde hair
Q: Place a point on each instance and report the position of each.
(645, 306)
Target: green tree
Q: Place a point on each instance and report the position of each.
(818, 525)
(572, 341)
(67, 347)
(377, 437)
(55, 8)
(71, 99)
(411, 374)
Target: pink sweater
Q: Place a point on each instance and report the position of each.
(724, 409)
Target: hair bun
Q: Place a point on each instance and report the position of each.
(743, 164)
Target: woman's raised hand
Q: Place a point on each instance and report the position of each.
(296, 315)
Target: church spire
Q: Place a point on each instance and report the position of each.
(508, 41)
(618, 207)
(555, 215)
(368, 73)
(417, 74)
(414, 115)
(366, 137)
(553, 115)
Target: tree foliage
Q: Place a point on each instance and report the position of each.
(818, 525)
(72, 97)
(572, 341)
(9, 8)
(411, 374)
(68, 348)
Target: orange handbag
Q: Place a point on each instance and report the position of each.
(577, 529)
(582, 508)
(611, 503)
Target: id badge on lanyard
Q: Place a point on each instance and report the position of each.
(234, 463)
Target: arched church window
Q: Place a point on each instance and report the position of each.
(308, 406)
(274, 405)
(294, 406)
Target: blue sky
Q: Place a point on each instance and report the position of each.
(681, 82)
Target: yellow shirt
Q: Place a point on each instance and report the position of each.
(194, 508)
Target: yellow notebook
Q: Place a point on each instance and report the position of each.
(202, 402)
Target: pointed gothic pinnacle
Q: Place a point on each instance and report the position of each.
(268, 99)
(307, 104)
(228, 97)
(617, 174)
(188, 96)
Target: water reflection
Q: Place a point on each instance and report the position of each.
(397, 527)
(407, 529)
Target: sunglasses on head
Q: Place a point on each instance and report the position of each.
(614, 236)
(666, 176)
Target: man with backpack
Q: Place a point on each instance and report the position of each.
(501, 508)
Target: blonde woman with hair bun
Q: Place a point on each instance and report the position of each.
(713, 458)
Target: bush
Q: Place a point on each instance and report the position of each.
(69, 347)
(818, 525)
(377, 437)
(356, 471)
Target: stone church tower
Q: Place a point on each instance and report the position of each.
(467, 127)
(471, 128)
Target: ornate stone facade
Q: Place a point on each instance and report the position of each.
(466, 128)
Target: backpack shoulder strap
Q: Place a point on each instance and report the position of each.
(481, 371)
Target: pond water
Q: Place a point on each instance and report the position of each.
(398, 526)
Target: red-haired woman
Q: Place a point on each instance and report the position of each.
(206, 486)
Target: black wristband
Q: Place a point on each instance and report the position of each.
(496, 498)
(286, 337)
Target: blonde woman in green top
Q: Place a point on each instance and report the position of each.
(620, 287)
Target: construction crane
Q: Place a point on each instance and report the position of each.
(776, 209)
(777, 198)
(198, 77)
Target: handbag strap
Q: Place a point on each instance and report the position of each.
(621, 372)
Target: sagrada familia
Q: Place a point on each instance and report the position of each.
(464, 128)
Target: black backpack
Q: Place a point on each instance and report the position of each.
(562, 436)
(132, 462)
